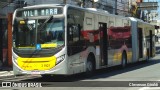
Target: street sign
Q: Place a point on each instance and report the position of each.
(147, 5)
(147, 8)
(38, 46)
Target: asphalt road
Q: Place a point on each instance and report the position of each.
(114, 78)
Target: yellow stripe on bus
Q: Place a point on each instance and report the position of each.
(129, 56)
(42, 46)
(42, 63)
(22, 22)
(118, 56)
(48, 45)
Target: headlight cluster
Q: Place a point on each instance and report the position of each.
(14, 59)
(60, 59)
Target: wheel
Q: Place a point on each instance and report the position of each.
(124, 60)
(90, 67)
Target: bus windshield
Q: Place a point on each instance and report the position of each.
(38, 34)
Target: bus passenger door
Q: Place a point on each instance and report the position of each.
(103, 43)
(151, 43)
(140, 41)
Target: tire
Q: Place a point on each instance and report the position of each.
(90, 67)
(124, 60)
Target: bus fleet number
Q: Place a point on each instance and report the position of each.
(45, 65)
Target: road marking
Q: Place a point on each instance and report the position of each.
(150, 88)
(144, 88)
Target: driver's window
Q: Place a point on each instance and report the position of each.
(75, 19)
(74, 30)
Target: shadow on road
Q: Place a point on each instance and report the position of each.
(102, 73)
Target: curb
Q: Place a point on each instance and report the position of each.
(5, 74)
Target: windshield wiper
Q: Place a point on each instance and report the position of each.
(46, 21)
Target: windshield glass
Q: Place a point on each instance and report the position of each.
(38, 34)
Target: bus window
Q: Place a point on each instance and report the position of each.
(74, 28)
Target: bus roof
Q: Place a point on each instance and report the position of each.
(139, 20)
(44, 5)
(91, 10)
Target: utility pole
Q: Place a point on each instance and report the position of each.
(10, 39)
(83, 3)
(64, 1)
(92, 3)
(34, 2)
(1, 45)
(116, 7)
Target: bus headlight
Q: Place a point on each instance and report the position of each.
(60, 59)
(14, 59)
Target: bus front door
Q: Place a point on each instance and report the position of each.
(103, 43)
(151, 43)
(140, 41)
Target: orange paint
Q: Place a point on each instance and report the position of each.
(10, 39)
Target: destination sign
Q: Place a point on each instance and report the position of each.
(39, 12)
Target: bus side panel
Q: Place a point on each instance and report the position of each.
(76, 42)
(120, 40)
(128, 40)
(117, 41)
(134, 40)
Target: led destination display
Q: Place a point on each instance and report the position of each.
(39, 12)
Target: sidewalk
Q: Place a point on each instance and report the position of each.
(6, 71)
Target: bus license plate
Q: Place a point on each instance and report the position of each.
(35, 72)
